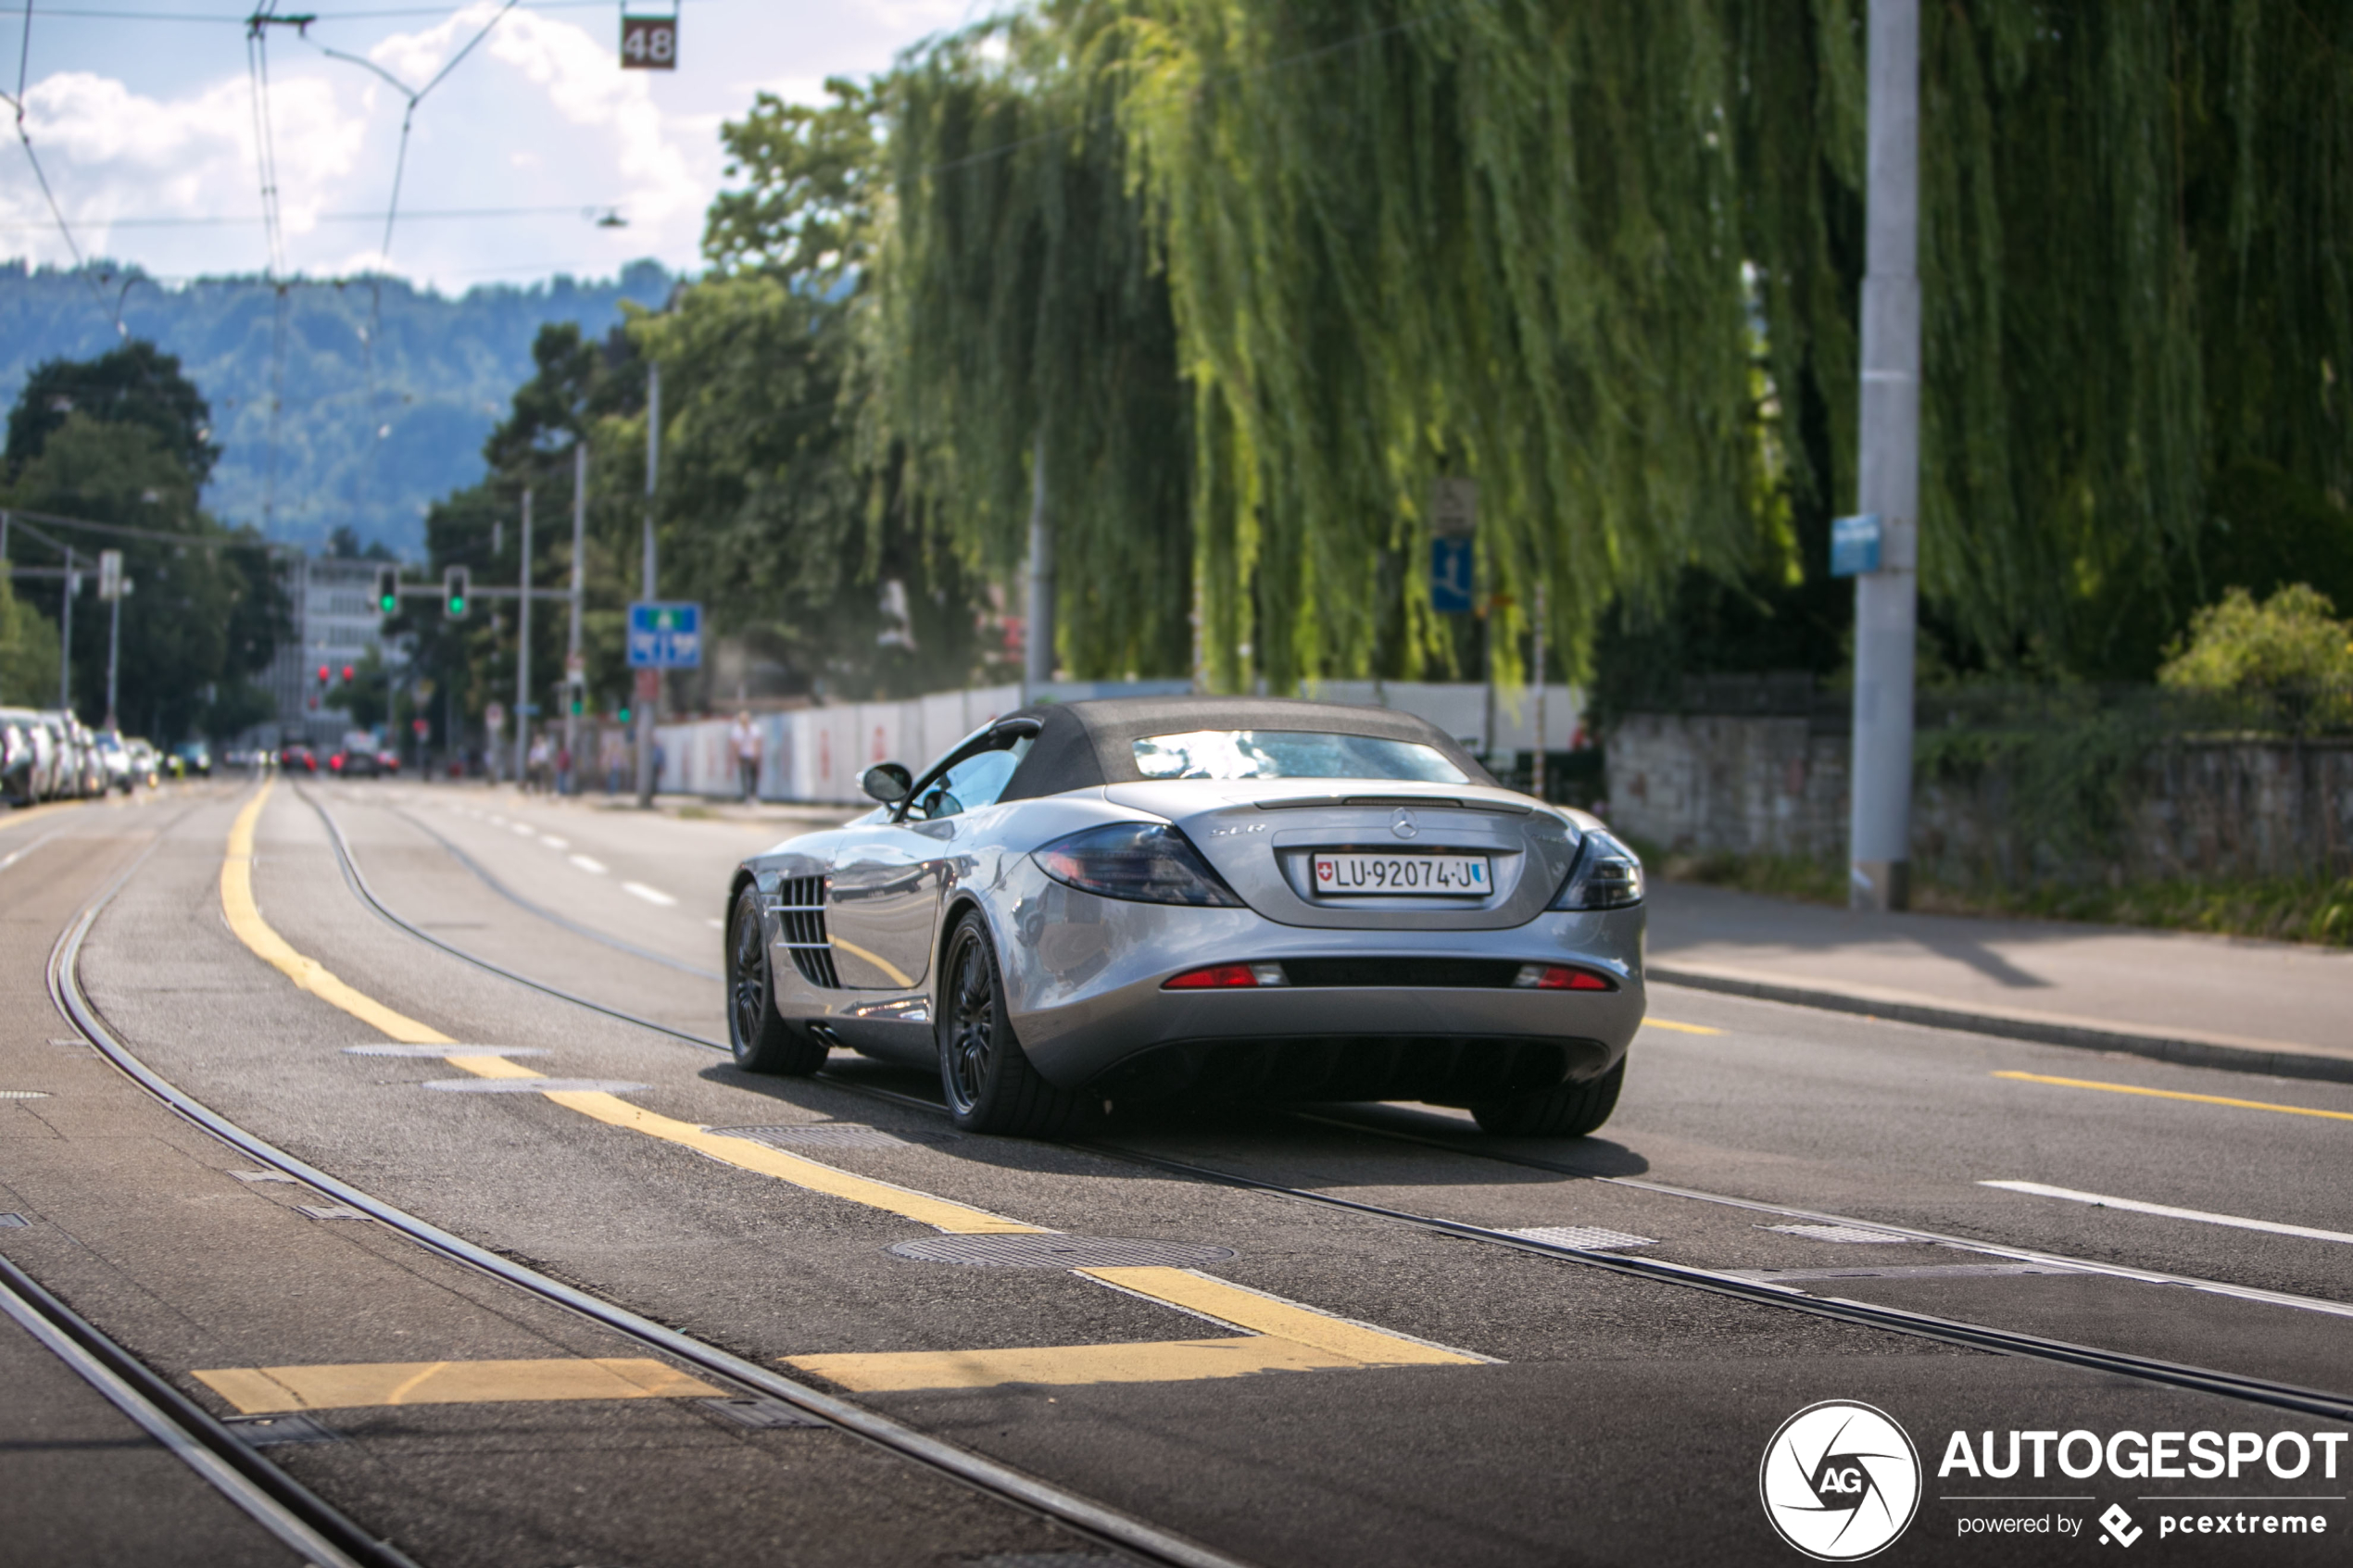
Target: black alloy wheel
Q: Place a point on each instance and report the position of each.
(1571, 1110)
(761, 1040)
(987, 1079)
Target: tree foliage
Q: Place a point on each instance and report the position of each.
(2292, 638)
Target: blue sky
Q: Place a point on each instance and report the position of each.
(144, 110)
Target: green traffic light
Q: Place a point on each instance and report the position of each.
(457, 607)
(624, 715)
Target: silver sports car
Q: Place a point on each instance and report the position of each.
(1124, 900)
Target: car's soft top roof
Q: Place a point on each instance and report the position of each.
(1085, 745)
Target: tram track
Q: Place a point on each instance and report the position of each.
(2272, 1393)
(300, 1517)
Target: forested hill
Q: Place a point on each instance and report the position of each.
(364, 439)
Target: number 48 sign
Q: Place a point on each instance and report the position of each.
(650, 42)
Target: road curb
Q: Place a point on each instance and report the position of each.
(2160, 1048)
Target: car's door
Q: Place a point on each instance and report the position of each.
(881, 901)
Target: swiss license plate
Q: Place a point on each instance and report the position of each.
(1461, 876)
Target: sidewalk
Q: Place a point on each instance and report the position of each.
(2212, 1002)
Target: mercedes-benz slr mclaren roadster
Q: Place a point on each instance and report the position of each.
(1125, 900)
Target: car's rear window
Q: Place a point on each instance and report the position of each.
(1290, 754)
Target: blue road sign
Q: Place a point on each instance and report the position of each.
(1450, 576)
(665, 636)
(1854, 543)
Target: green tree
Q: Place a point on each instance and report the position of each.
(134, 384)
(2292, 638)
(28, 653)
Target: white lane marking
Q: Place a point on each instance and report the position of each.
(585, 864)
(496, 822)
(2036, 1189)
(554, 843)
(651, 895)
(523, 828)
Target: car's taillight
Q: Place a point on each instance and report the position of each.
(1227, 977)
(1607, 876)
(1147, 862)
(1560, 977)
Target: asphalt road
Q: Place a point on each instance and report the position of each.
(1529, 1408)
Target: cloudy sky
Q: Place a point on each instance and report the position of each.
(143, 112)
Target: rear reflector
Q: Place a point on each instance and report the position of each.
(1227, 977)
(1559, 977)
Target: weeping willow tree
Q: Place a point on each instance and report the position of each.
(1019, 321)
(1605, 260)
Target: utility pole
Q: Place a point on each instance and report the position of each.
(575, 676)
(112, 586)
(522, 650)
(1037, 645)
(649, 696)
(1878, 845)
(1536, 784)
(65, 638)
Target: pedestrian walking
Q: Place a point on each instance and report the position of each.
(744, 741)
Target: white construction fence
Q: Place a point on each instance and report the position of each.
(815, 755)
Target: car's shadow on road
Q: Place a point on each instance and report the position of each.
(1351, 1145)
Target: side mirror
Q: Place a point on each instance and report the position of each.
(887, 782)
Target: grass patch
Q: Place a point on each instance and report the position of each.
(694, 813)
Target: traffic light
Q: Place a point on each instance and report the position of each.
(346, 672)
(388, 590)
(457, 586)
(322, 674)
(624, 715)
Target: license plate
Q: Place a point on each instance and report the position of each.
(1461, 876)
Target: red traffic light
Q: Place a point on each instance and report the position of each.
(419, 726)
(347, 672)
(322, 674)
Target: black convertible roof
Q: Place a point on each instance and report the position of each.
(1085, 745)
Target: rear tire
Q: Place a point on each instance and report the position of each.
(989, 1084)
(1571, 1110)
(761, 1040)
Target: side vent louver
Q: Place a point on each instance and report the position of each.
(800, 913)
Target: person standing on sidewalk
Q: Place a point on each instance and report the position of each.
(743, 739)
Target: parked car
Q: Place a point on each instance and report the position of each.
(1149, 896)
(20, 761)
(113, 756)
(146, 762)
(194, 759)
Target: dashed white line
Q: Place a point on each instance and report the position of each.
(2166, 1211)
(554, 843)
(651, 895)
(523, 828)
(585, 864)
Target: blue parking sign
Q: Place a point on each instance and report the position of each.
(1450, 576)
(665, 635)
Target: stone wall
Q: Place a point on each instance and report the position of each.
(1777, 786)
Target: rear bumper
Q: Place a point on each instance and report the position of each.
(1083, 978)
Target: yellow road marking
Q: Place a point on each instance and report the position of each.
(266, 1390)
(2176, 1094)
(1179, 1361)
(1284, 1320)
(1680, 1028)
(891, 971)
(1351, 1344)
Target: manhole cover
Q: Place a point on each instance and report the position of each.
(832, 1135)
(1585, 1239)
(443, 1050)
(1048, 1250)
(532, 1086)
(1852, 1235)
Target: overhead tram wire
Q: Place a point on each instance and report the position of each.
(24, 138)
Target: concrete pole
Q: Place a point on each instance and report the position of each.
(1536, 784)
(523, 651)
(1880, 828)
(1037, 652)
(579, 579)
(65, 640)
(114, 654)
(645, 705)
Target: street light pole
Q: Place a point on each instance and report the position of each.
(1037, 645)
(65, 639)
(575, 680)
(1887, 604)
(523, 652)
(649, 697)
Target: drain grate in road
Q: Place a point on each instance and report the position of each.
(24, 1093)
(1916, 1271)
(762, 1415)
(832, 1135)
(1854, 1235)
(13, 1221)
(331, 1211)
(533, 1086)
(1587, 1238)
(271, 1431)
(443, 1050)
(1048, 1250)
